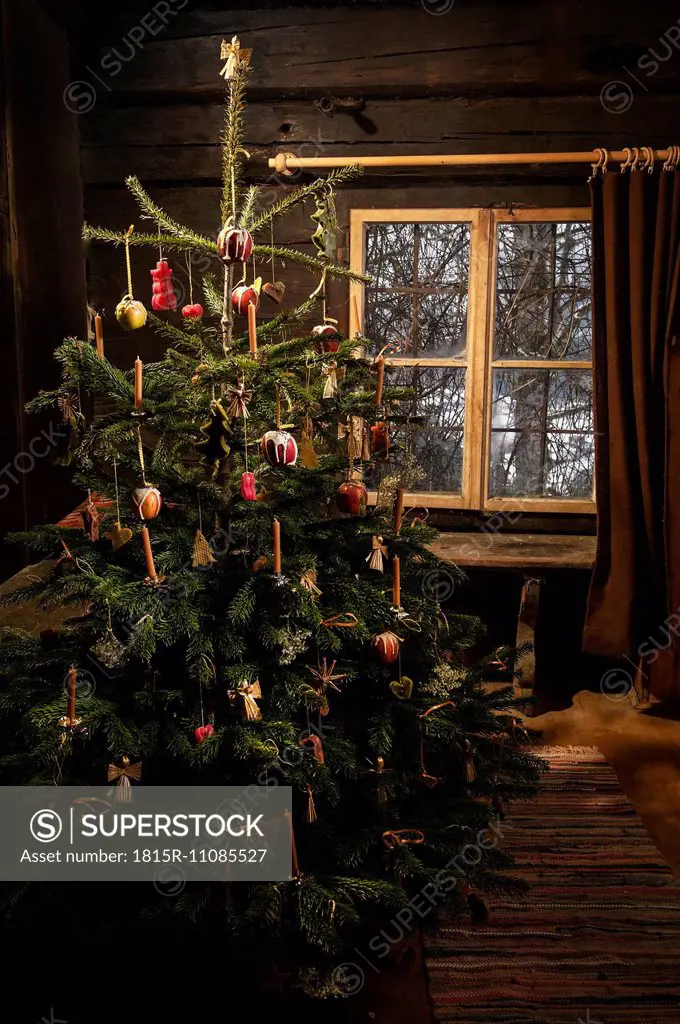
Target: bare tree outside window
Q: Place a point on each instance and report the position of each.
(488, 317)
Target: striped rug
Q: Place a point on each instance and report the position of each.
(598, 937)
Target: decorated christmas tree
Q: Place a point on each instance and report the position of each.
(245, 612)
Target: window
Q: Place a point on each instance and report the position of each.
(487, 314)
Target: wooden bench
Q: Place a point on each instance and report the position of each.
(527, 553)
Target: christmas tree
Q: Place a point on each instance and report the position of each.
(245, 614)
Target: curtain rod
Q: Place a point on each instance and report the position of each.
(285, 163)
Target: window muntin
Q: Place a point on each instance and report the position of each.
(499, 303)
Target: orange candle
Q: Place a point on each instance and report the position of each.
(396, 582)
(138, 383)
(71, 694)
(252, 328)
(380, 381)
(148, 554)
(399, 510)
(99, 335)
(277, 546)
(355, 305)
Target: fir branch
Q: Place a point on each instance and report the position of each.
(182, 243)
(312, 262)
(284, 205)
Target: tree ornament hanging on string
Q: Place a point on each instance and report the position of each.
(312, 742)
(201, 555)
(245, 295)
(247, 489)
(327, 335)
(238, 397)
(357, 438)
(118, 535)
(90, 516)
(380, 440)
(325, 678)
(308, 456)
(351, 498)
(204, 732)
(376, 559)
(309, 580)
(279, 448)
(325, 217)
(402, 688)
(469, 765)
(122, 776)
(246, 695)
(130, 313)
(274, 290)
(235, 245)
(386, 647)
(310, 815)
(193, 310)
(108, 649)
(216, 430)
(330, 372)
(74, 421)
(163, 297)
(382, 774)
(147, 501)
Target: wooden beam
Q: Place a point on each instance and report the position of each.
(493, 550)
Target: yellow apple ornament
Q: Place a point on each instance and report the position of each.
(130, 312)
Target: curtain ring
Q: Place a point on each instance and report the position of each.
(649, 159)
(636, 159)
(629, 158)
(600, 164)
(673, 159)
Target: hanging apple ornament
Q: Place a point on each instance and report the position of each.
(163, 296)
(203, 732)
(147, 501)
(192, 311)
(130, 313)
(248, 487)
(245, 295)
(351, 498)
(279, 448)
(234, 245)
(327, 336)
(386, 647)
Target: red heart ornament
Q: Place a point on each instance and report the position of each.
(193, 311)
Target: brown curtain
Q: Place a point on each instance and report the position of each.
(636, 266)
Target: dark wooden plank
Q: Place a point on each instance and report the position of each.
(45, 214)
(538, 47)
(526, 123)
(515, 551)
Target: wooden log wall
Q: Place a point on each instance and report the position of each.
(482, 77)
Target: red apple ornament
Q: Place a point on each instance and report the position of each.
(279, 448)
(327, 338)
(203, 732)
(235, 245)
(194, 311)
(245, 295)
(351, 498)
(386, 647)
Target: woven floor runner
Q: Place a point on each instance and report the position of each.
(598, 937)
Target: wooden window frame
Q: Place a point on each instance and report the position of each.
(479, 361)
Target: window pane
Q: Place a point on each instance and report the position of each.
(543, 291)
(436, 441)
(419, 292)
(542, 441)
